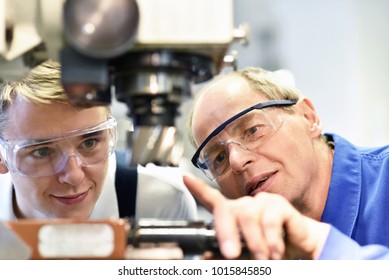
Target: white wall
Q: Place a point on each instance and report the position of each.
(338, 51)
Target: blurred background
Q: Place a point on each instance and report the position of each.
(338, 52)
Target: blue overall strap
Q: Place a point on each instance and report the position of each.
(126, 183)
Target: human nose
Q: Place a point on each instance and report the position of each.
(72, 172)
(238, 156)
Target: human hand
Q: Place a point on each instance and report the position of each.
(270, 226)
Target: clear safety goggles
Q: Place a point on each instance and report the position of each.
(248, 130)
(45, 157)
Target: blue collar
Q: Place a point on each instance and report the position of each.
(344, 194)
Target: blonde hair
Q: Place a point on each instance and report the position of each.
(41, 85)
(262, 81)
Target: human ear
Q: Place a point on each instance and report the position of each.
(309, 113)
(3, 166)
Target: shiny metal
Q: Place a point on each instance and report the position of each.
(242, 33)
(101, 28)
(162, 145)
(193, 237)
(153, 85)
(145, 53)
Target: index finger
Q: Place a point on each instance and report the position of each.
(208, 196)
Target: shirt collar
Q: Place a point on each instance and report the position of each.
(341, 209)
(107, 205)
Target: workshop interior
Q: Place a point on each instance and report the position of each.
(149, 62)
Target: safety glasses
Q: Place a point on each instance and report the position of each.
(248, 129)
(46, 157)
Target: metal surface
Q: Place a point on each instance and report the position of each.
(101, 29)
(161, 145)
(145, 53)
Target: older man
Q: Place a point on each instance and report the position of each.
(262, 142)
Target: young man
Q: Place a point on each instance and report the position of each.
(262, 142)
(59, 161)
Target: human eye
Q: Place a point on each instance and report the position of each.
(41, 152)
(254, 131)
(92, 141)
(35, 156)
(95, 146)
(219, 159)
(89, 143)
(216, 158)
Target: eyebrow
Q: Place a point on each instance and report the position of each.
(217, 130)
(243, 119)
(92, 133)
(239, 122)
(211, 149)
(38, 141)
(32, 142)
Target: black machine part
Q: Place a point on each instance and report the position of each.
(193, 237)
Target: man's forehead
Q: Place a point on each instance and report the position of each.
(232, 92)
(205, 125)
(43, 121)
(219, 108)
(220, 101)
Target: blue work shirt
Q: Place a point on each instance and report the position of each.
(358, 202)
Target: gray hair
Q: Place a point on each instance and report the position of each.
(264, 82)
